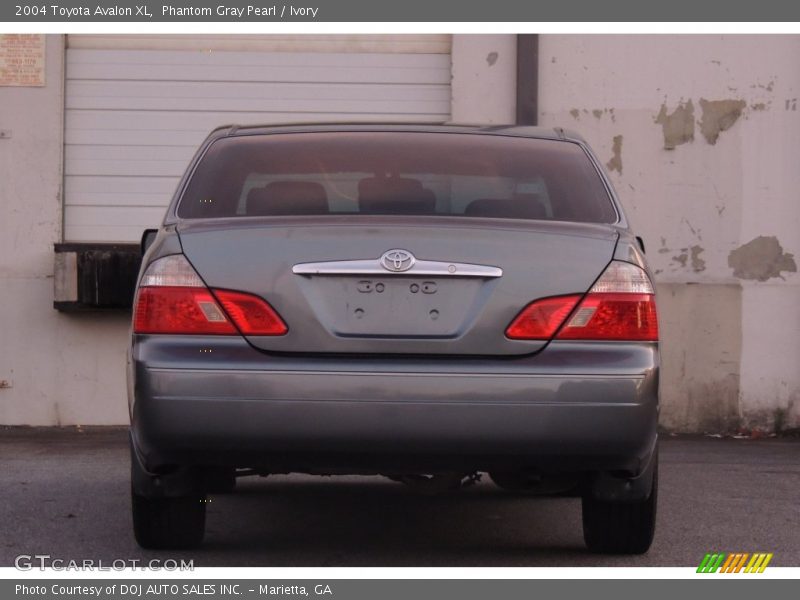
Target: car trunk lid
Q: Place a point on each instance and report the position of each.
(344, 285)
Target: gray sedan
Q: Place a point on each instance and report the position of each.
(421, 302)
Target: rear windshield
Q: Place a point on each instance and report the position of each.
(396, 173)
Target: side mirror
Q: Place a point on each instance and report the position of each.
(148, 237)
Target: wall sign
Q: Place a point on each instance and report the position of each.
(22, 60)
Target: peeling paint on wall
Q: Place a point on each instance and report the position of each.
(615, 164)
(719, 116)
(491, 58)
(698, 264)
(761, 259)
(597, 113)
(678, 127)
(681, 258)
(769, 87)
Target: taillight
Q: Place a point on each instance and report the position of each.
(252, 315)
(619, 306)
(173, 299)
(541, 319)
(607, 316)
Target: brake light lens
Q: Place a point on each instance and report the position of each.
(607, 316)
(252, 315)
(542, 318)
(620, 306)
(179, 310)
(173, 299)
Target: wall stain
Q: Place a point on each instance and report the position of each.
(761, 259)
(681, 258)
(769, 87)
(698, 264)
(758, 106)
(576, 114)
(695, 232)
(678, 126)
(491, 58)
(615, 164)
(791, 104)
(719, 116)
(597, 113)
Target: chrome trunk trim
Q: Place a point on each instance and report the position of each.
(428, 268)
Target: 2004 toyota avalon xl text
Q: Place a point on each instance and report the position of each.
(421, 302)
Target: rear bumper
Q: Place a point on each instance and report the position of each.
(215, 401)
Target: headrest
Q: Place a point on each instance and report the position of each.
(394, 195)
(287, 198)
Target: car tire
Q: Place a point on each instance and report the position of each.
(168, 523)
(620, 527)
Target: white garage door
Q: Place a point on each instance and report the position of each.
(135, 116)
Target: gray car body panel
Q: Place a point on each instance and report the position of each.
(210, 400)
(447, 402)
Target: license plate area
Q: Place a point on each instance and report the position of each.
(393, 306)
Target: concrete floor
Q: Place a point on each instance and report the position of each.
(66, 493)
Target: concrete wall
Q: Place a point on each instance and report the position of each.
(701, 136)
(484, 79)
(62, 369)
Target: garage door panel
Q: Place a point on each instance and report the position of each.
(398, 43)
(110, 223)
(128, 199)
(119, 191)
(79, 90)
(297, 60)
(125, 152)
(133, 137)
(137, 185)
(130, 168)
(391, 75)
(243, 66)
(132, 161)
(344, 106)
(163, 123)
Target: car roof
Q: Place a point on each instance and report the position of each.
(528, 131)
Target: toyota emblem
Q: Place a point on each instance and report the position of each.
(397, 260)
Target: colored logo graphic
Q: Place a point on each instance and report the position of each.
(735, 562)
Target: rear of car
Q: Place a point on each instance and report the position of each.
(418, 302)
